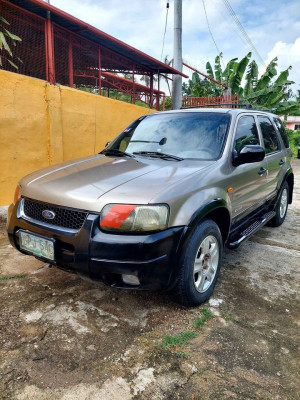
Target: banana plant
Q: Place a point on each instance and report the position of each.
(251, 78)
(6, 40)
(269, 91)
(236, 76)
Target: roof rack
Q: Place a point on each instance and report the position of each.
(247, 106)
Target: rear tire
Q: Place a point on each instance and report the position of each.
(281, 207)
(199, 265)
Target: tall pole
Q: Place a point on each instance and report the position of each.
(177, 79)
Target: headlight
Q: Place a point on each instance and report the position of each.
(134, 218)
(17, 194)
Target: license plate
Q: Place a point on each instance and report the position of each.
(37, 245)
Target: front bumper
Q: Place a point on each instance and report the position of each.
(104, 257)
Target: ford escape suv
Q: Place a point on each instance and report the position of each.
(154, 209)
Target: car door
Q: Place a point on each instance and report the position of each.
(274, 155)
(249, 182)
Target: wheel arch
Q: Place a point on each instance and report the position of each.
(289, 178)
(218, 212)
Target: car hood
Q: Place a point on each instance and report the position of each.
(91, 182)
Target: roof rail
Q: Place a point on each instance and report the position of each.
(247, 106)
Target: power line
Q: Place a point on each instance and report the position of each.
(242, 30)
(229, 21)
(213, 39)
(166, 23)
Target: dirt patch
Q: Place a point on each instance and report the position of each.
(63, 338)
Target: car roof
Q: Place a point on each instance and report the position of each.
(233, 111)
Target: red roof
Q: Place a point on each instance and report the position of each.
(83, 29)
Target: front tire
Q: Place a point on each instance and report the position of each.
(199, 265)
(281, 207)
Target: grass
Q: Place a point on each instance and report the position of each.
(183, 338)
(182, 354)
(200, 321)
(180, 339)
(7, 277)
(227, 316)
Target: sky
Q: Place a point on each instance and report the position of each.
(272, 25)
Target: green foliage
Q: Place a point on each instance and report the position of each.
(180, 339)
(251, 78)
(270, 91)
(168, 104)
(7, 277)
(236, 77)
(218, 68)
(266, 77)
(200, 321)
(294, 139)
(209, 70)
(196, 87)
(7, 39)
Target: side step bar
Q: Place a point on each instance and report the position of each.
(253, 228)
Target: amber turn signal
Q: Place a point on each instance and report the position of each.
(17, 194)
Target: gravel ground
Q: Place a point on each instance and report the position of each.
(65, 339)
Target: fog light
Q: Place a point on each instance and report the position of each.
(130, 279)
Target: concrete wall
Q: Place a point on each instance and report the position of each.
(42, 124)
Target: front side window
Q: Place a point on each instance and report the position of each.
(246, 133)
(269, 135)
(194, 135)
(282, 132)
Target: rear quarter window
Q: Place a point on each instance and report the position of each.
(283, 134)
(269, 135)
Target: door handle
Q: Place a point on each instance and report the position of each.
(262, 171)
(281, 162)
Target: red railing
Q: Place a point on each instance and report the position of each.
(227, 101)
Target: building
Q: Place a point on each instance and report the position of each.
(62, 49)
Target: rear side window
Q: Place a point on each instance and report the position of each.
(282, 132)
(269, 135)
(246, 133)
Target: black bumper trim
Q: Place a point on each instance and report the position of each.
(130, 262)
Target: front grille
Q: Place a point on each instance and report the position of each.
(64, 217)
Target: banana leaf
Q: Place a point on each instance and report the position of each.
(238, 72)
(229, 68)
(251, 78)
(287, 107)
(266, 78)
(218, 68)
(283, 77)
(209, 70)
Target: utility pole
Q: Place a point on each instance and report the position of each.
(177, 79)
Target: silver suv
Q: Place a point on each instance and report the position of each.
(154, 209)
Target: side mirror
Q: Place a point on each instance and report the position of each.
(107, 144)
(248, 154)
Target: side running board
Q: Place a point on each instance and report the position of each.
(253, 228)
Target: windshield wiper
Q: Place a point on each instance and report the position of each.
(158, 154)
(115, 152)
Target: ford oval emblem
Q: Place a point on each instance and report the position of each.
(48, 214)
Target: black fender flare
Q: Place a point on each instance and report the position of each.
(195, 219)
(288, 172)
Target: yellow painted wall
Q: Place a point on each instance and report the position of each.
(42, 124)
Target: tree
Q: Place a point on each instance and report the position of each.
(6, 40)
(270, 90)
(198, 87)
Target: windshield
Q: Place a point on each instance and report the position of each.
(193, 135)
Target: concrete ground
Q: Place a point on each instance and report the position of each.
(62, 338)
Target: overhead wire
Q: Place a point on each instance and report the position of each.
(166, 23)
(243, 32)
(229, 21)
(211, 34)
